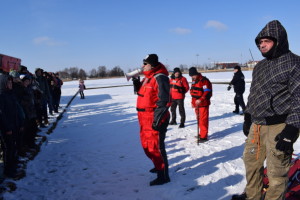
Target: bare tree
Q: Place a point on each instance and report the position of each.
(101, 71)
(93, 73)
(116, 71)
(73, 71)
(82, 74)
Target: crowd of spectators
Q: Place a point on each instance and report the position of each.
(26, 101)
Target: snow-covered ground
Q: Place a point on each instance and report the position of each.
(95, 152)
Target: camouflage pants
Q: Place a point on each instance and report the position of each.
(260, 146)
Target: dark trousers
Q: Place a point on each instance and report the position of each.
(81, 94)
(8, 144)
(239, 101)
(55, 102)
(50, 104)
(39, 112)
(30, 131)
(180, 103)
(44, 109)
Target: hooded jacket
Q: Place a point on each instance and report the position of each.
(154, 92)
(275, 88)
(238, 82)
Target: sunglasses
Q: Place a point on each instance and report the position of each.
(145, 63)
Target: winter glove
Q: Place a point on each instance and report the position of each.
(229, 87)
(136, 84)
(286, 139)
(173, 76)
(197, 102)
(159, 117)
(247, 124)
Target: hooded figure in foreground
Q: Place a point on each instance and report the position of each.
(272, 116)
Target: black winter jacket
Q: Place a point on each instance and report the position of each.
(11, 112)
(238, 82)
(275, 88)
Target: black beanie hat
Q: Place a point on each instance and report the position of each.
(38, 69)
(193, 71)
(23, 68)
(237, 67)
(152, 59)
(176, 69)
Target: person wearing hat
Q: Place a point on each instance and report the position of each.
(44, 86)
(272, 115)
(201, 92)
(238, 82)
(27, 103)
(23, 70)
(153, 102)
(179, 86)
(11, 115)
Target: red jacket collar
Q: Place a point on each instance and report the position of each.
(156, 70)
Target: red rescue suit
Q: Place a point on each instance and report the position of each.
(179, 86)
(201, 89)
(152, 106)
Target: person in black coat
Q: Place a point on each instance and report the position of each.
(238, 82)
(12, 118)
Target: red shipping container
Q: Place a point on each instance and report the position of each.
(8, 63)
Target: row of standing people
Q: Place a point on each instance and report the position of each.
(24, 98)
(271, 117)
(201, 92)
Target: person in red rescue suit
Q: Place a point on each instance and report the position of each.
(201, 92)
(179, 86)
(153, 102)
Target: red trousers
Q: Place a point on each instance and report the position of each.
(202, 115)
(153, 142)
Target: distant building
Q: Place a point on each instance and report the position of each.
(251, 64)
(226, 65)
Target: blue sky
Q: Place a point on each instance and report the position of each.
(58, 34)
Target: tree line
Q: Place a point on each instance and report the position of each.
(79, 73)
(73, 73)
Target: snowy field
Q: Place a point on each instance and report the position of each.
(95, 151)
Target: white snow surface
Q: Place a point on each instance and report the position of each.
(95, 152)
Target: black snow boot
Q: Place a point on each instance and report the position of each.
(242, 196)
(162, 178)
(181, 125)
(236, 111)
(173, 123)
(153, 170)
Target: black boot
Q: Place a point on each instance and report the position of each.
(153, 170)
(181, 125)
(173, 123)
(236, 111)
(242, 196)
(162, 178)
(202, 140)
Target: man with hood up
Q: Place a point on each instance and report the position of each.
(272, 116)
(238, 82)
(152, 105)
